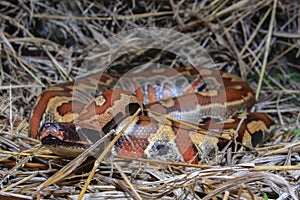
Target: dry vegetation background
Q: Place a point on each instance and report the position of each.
(44, 42)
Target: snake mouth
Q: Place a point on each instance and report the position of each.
(51, 140)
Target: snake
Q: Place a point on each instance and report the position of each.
(172, 114)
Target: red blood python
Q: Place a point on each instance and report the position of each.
(175, 114)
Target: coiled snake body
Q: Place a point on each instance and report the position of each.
(172, 114)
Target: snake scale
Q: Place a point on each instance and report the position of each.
(171, 114)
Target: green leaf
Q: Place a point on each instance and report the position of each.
(296, 78)
(266, 196)
(296, 131)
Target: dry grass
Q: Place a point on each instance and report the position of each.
(45, 42)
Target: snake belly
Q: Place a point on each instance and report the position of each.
(171, 114)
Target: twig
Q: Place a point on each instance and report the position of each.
(268, 43)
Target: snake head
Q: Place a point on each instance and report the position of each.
(57, 131)
(62, 137)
